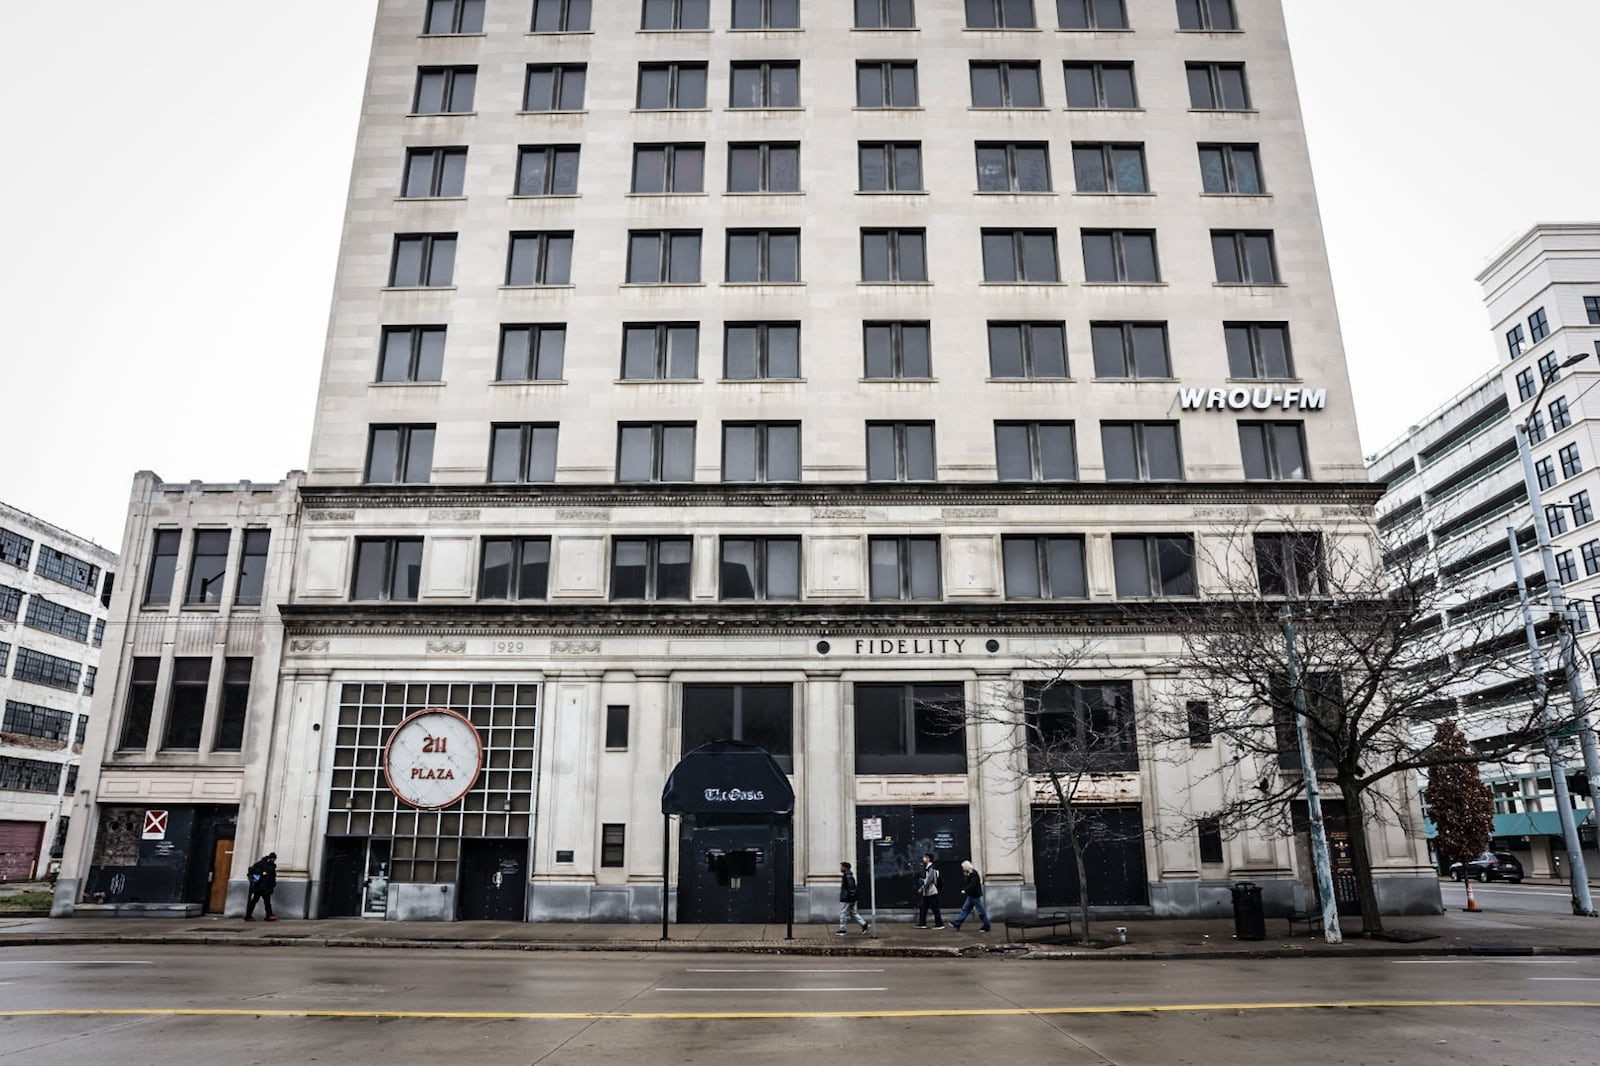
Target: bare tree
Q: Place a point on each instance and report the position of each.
(1459, 802)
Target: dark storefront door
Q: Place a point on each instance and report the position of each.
(726, 872)
(944, 831)
(221, 869)
(19, 849)
(344, 867)
(1113, 840)
(494, 880)
(1346, 886)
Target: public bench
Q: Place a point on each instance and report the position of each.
(1312, 920)
(1043, 921)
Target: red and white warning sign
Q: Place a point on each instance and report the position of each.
(155, 826)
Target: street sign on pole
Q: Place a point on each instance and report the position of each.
(872, 829)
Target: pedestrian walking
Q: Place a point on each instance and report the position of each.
(972, 897)
(928, 894)
(263, 879)
(848, 894)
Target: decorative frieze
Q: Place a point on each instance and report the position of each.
(330, 516)
(299, 644)
(574, 647)
(581, 514)
(833, 513)
(454, 515)
(969, 512)
(447, 647)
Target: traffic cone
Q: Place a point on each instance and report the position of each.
(1472, 904)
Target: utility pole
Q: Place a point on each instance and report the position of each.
(1308, 774)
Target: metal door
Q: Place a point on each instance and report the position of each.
(344, 867)
(19, 849)
(727, 875)
(1113, 839)
(494, 881)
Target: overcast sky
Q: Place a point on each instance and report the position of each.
(178, 173)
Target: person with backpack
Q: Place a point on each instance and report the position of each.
(928, 894)
(263, 879)
(972, 894)
(848, 893)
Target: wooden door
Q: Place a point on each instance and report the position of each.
(221, 870)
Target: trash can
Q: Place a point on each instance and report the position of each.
(1249, 917)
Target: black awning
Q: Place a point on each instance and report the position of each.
(727, 777)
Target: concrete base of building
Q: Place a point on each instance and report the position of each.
(596, 903)
(421, 903)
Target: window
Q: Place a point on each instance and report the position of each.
(1560, 415)
(760, 451)
(766, 14)
(762, 715)
(764, 167)
(50, 617)
(1526, 387)
(1231, 169)
(1208, 838)
(1206, 15)
(664, 168)
(897, 350)
(1035, 451)
(1566, 567)
(531, 353)
(617, 727)
(1120, 256)
(885, 15)
(399, 455)
(29, 775)
(1217, 87)
(252, 567)
(434, 172)
(1290, 564)
(1141, 451)
(1591, 556)
(1273, 450)
(1549, 369)
(560, 16)
(1021, 256)
(672, 87)
(31, 720)
(894, 255)
(1538, 326)
(48, 670)
(1258, 349)
(764, 85)
(15, 549)
(886, 84)
(141, 703)
(664, 257)
(1571, 461)
(1150, 565)
(1545, 469)
(1076, 725)
(454, 16)
(1000, 14)
(1580, 617)
(10, 602)
(163, 568)
(1013, 167)
(1100, 85)
(676, 15)
(522, 453)
(67, 569)
(903, 568)
(89, 674)
(1006, 85)
(411, 353)
(613, 844)
(387, 568)
(655, 451)
(1244, 257)
(1027, 350)
(1043, 568)
(208, 565)
(754, 351)
(555, 87)
(900, 451)
(1555, 517)
(650, 568)
(760, 568)
(1091, 15)
(1591, 307)
(423, 260)
(1130, 350)
(539, 259)
(235, 703)
(186, 704)
(5, 657)
(1198, 713)
(514, 568)
(1109, 168)
(1582, 512)
(910, 729)
(1536, 433)
(1515, 339)
(660, 351)
(889, 167)
(769, 256)
(547, 170)
(444, 90)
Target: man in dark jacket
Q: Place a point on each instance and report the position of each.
(848, 894)
(263, 879)
(973, 893)
(928, 894)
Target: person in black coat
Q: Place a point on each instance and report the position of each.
(848, 894)
(973, 893)
(263, 879)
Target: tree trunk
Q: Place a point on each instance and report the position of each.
(1083, 870)
(1355, 821)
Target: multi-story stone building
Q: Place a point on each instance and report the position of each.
(54, 589)
(772, 372)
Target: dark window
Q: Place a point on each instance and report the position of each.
(1013, 167)
(434, 172)
(1048, 568)
(1571, 461)
(531, 353)
(760, 568)
(894, 255)
(663, 257)
(1538, 326)
(5, 657)
(15, 549)
(890, 167)
(1273, 450)
(186, 704)
(49, 670)
(910, 729)
(1324, 699)
(31, 720)
(399, 455)
(444, 90)
(10, 602)
(1258, 349)
(650, 568)
(897, 350)
(1198, 714)
(1549, 369)
(1100, 85)
(1023, 256)
(1591, 556)
(1206, 15)
(770, 256)
(900, 451)
(1006, 85)
(89, 674)
(539, 259)
(664, 168)
(1560, 415)
(1109, 168)
(655, 451)
(886, 84)
(613, 844)
(522, 453)
(762, 715)
(454, 16)
(1545, 469)
(1515, 339)
(1091, 15)
(1231, 169)
(412, 353)
(764, 85)
(1130, 350)
(67, 569)
(387, 568)
(1536, 432)
(50, 617)
(29, 775)
(208, 565)
(766, 14)
(760, 350)
(1566, 567)
(1290, 564)
(903, 568)
(761, 451)
(1027, 350)
(885, 15)
(1556, 518)
(547, 170)
(514, 568)
(762, 167)
(1150, 565)
(141, 703)
(235, 704)
(1208, 833)
(672, 87)
(1218, 87)
(1580, 618)
(1591, 307)
(1582, 512)
(1035, 451)
(67, 788)
(1526, 386)
(423, 260)
(617, 727)
(676, 15)
(163, 568)
(1141, 451)
(1000, 15)
(1120, 256)
(555, 87)
(560, 16)
(660, 351)
(1076, 725)
(1244, 257)
(252, 567)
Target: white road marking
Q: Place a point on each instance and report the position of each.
(1519, 891)
(1564, 978)
(1477, 960)
(743, 970)
(74, 962)
(772, 989)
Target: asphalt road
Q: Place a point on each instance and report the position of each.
(1502, 896)
(125, 1005)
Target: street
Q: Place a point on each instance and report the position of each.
(1498, 895)
(135, 1004)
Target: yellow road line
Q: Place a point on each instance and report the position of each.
(982, 1012)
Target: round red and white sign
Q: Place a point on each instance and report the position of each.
(433, 758)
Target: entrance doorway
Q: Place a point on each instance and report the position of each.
(726, 870)
(19, 849)
(1113, 839)
(221, 870)
(910, 833)
(494, 881)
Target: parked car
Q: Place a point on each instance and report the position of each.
(1490, 866)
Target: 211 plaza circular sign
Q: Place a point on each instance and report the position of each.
(432, 758)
